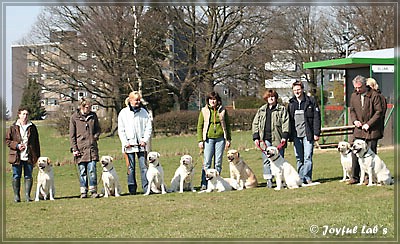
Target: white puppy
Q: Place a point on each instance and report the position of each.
(184, 174)
(111, 184)
(45, 180)
(217, 183)
(155, 174)
(344, 149)
(282, 170)
(371, 164)
(240, 171)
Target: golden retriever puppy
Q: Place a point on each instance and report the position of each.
(183, 177)
(344, 149)
(371, 164)
(240, 171)
(45, 180)
(111, 184)
(155, 174)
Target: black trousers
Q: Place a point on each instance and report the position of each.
(355, 166)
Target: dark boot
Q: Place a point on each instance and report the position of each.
(28, 188)
(132, 189)
(16, 184)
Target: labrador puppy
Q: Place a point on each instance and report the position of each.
(111, 184)
(155, 174)
(371, 164)
(282, 170)
(216, 183)
(45, 180)
(184, 174)
(344, 149)
(240, 171)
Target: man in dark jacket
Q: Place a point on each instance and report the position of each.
(305, 128)
(23, 140)
(84, 131)
(365, 112)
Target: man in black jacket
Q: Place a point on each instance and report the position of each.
(305, 128)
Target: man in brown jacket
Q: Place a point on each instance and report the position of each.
(365, 112)
(23, 140)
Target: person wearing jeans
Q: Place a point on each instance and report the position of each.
(213, 134)
(270, 127)
(305, 129)
(134, 131)
(23, 140)
(84, 132)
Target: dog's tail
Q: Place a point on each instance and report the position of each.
(311, 184)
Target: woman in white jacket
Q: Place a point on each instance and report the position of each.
(134, 131)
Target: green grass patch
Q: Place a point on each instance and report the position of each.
(252, 214)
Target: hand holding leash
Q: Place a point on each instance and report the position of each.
(281, 145)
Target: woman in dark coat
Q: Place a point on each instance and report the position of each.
(84, 131)
(23, 140)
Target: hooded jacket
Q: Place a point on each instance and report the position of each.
(84, 131)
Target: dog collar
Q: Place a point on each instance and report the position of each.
(108, 170)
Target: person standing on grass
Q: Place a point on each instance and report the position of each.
(366, 114)
(305, 129)
(271, 127)
(134, 131)
(23, 140)
(213, 134)
(84, 132)
(371, 82)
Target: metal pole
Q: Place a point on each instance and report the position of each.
(322, 99)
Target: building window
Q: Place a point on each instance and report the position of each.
(331, 94)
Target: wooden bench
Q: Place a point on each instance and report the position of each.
(333, 131)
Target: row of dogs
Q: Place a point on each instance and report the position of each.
(241, 175)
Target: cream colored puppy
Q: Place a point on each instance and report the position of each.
(344, 149)
(184, 174)
(282, 170)
(45, 180)
(240, 171)
(371, 164)
(111, 184)
(216, 183)
(155, 174)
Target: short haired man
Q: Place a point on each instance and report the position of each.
(305, 128)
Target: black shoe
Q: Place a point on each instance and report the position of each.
(352, 181)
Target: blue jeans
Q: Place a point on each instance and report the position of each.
(17, 170)
(303, 149)
(267, 164)
(213, 148)
(85, 170)
(132, 185)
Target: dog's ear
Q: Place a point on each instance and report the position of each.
(238, 154)
(158, 155)
(111, 158)
(48, 160)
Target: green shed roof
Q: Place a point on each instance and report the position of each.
(347, 63)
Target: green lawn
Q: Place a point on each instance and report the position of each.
(253, 214)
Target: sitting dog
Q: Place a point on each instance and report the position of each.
(45, 180)
(344, 149)
(111, 184)
(216, 182)
(155, 174)
(371, 164)
(240, 171)
(282, 170)
(183, 177)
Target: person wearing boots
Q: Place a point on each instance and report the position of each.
(270, 127)
(134, 131)
(23, 140)
(84, 132)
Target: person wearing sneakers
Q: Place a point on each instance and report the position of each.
(84, 132)
(23, 140)
(270, 127)
(305, 129)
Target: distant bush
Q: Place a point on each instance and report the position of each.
(246, 102)
(185, 122)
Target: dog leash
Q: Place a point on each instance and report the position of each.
(259, 147)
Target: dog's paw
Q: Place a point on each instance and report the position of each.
(36, 199)
(51, 199)
(180, 191)
(360, 184)
(371, 185)
(277, 189)
(193, 190)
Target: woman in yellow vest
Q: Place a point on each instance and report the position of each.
(213, 134)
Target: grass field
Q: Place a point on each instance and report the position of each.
(329, 211)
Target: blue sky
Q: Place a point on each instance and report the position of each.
(18, 23)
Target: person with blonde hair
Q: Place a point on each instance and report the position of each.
(371, 82)
(134, 131)
(84, 132)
